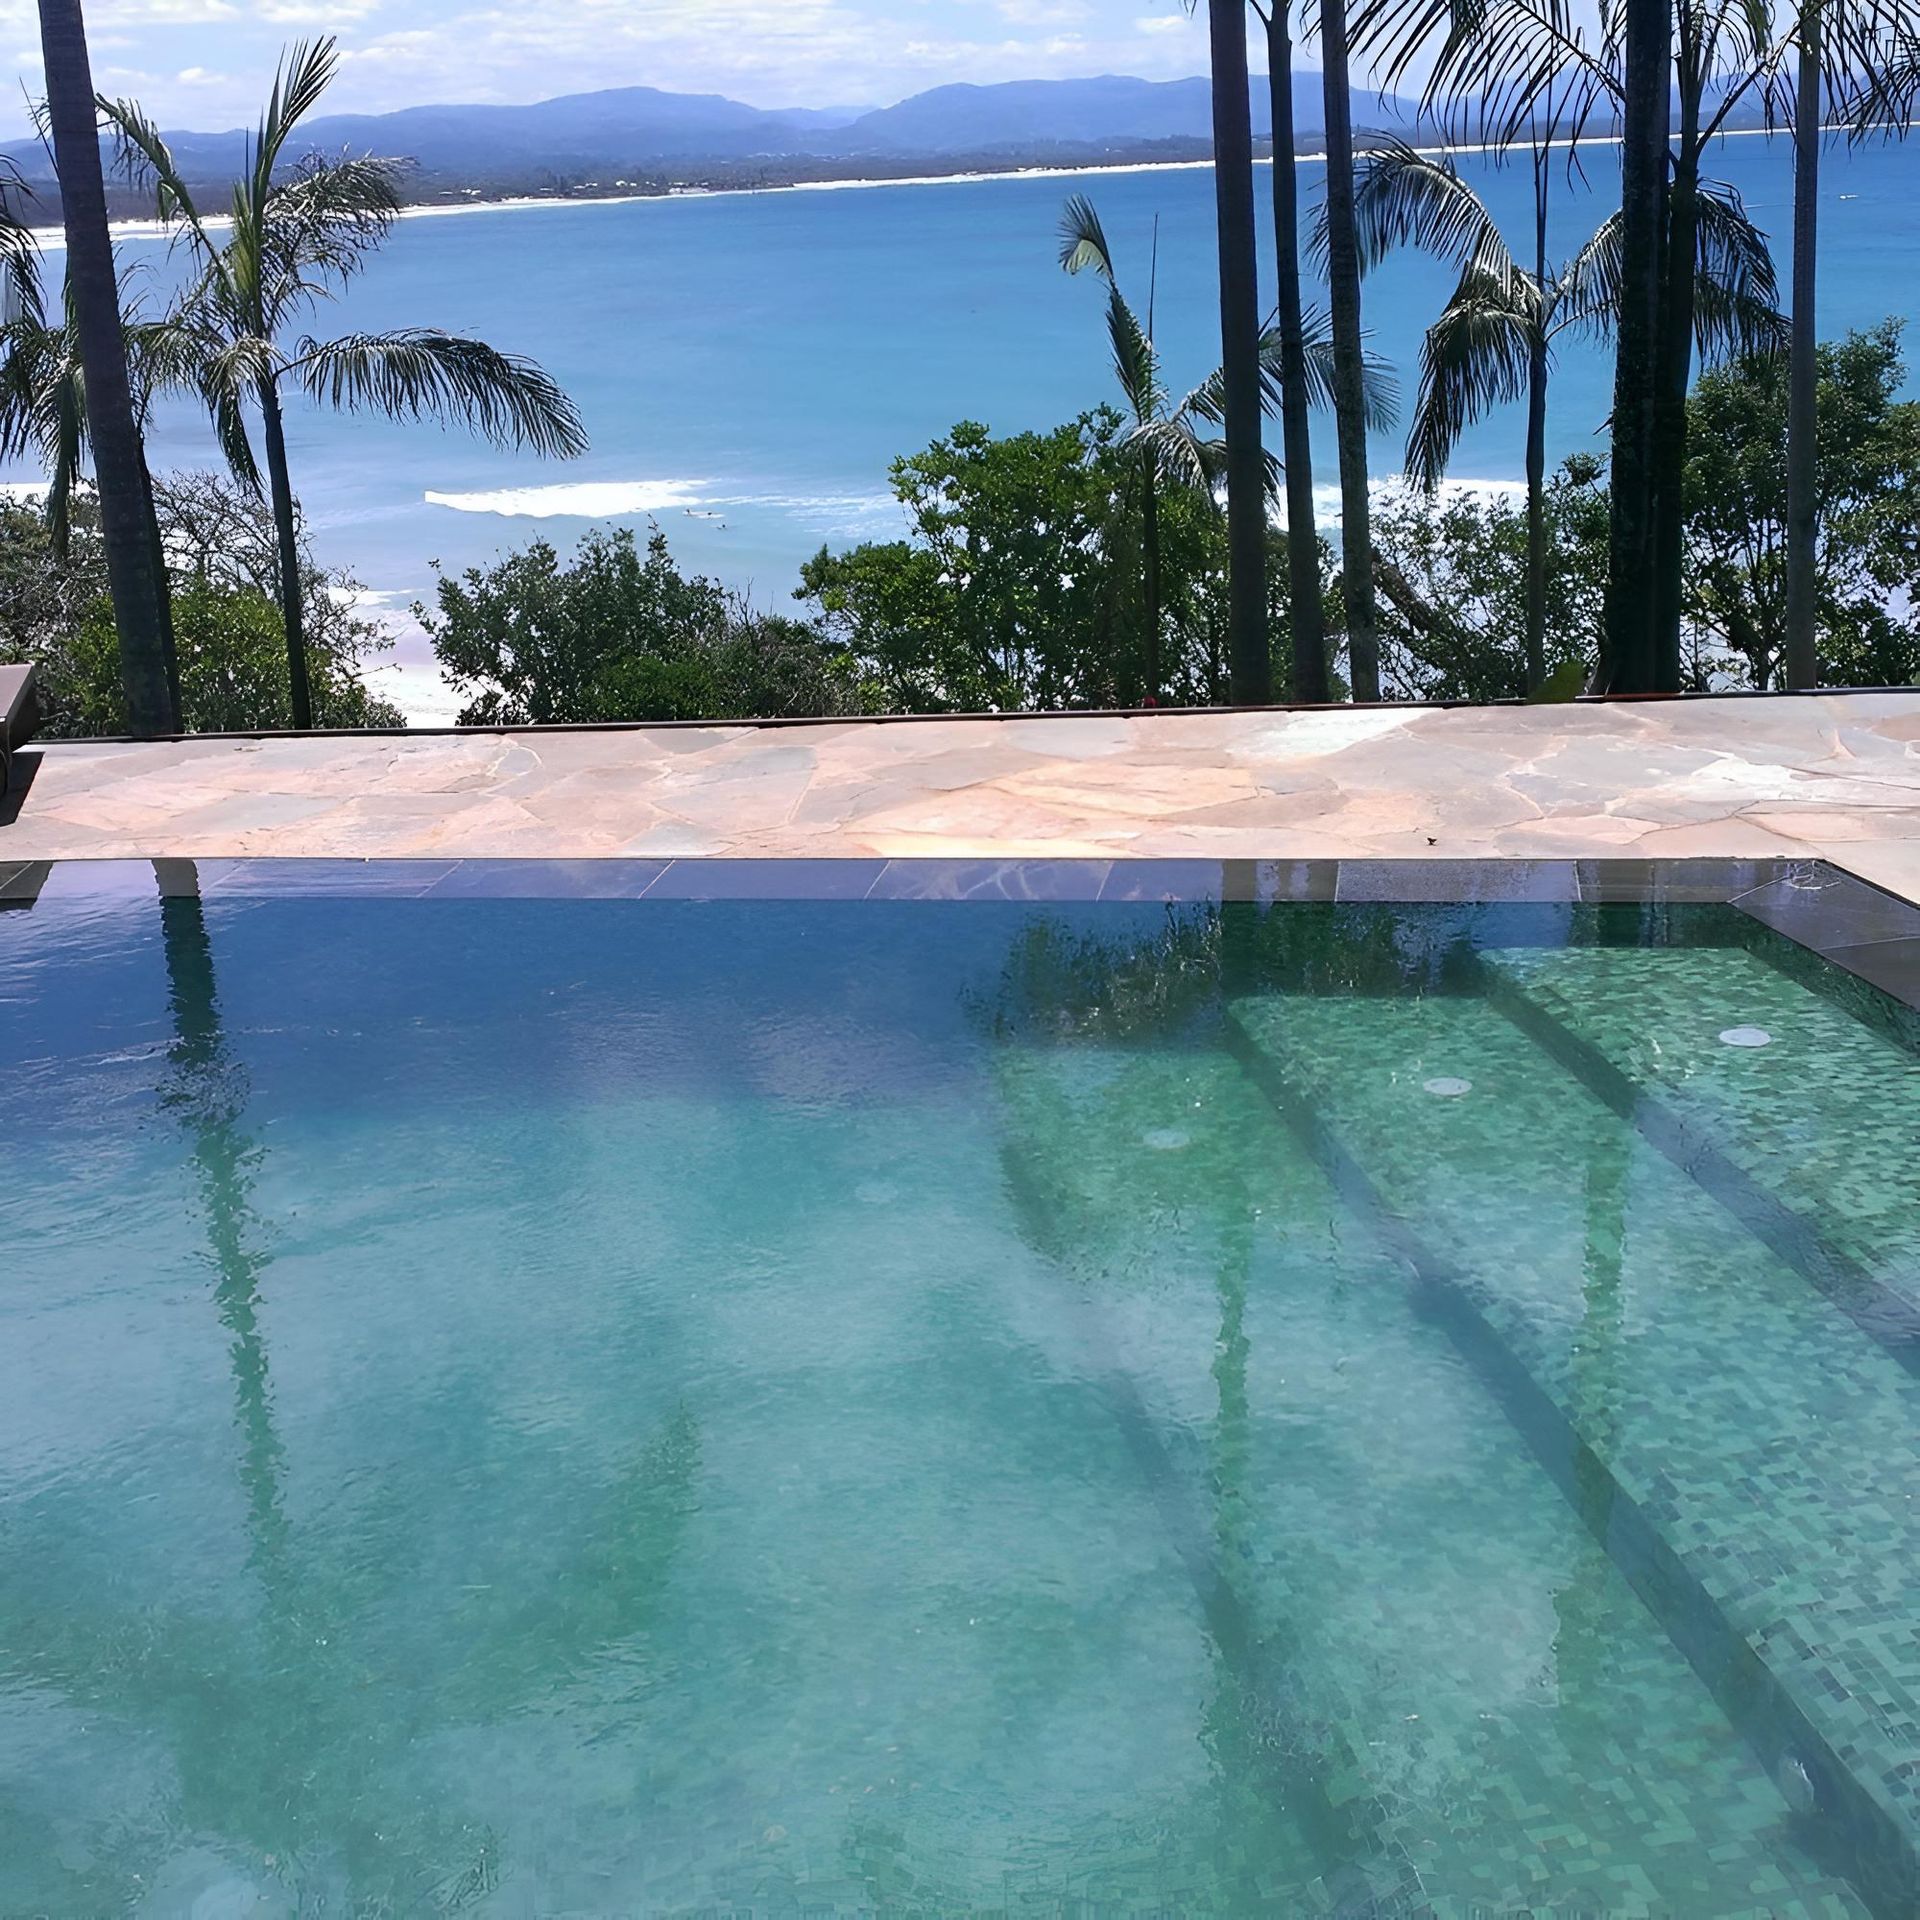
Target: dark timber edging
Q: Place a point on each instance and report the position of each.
(1879, 1854)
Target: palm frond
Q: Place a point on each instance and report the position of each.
(144, 158)
(1083, 240)
(301, 78)
(419, 373)
(1736, 293)
(1379, 383)
(1135, 365)
(20, 294)
(1503, 65)
(1586, 291)
(1181, 453)
(1475, 357)
(1405, 198)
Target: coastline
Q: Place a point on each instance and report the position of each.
(51, 239)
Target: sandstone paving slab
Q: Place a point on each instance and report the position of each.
(1826, 776)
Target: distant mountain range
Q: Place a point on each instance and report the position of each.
(628, 133)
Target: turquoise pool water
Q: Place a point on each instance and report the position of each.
(584, 1405)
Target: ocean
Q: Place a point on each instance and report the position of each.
(749, 364)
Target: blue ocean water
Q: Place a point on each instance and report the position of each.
(749, 365)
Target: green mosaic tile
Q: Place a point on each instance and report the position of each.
(1772, 1445)
(1789, 1113)
(1463, 1670)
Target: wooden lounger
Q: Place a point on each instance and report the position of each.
(19, 715)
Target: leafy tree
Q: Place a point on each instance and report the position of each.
(44, 595)
(297, 234)
(618, 634)
(1453, 570)
(221, 552)
(1012, 553)
(1866, 586)
(1017, 587)
(232, 651)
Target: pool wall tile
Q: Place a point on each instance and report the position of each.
(1823, 908)
(766, 880)
(991, 880)
(547, 880)
(317, 879)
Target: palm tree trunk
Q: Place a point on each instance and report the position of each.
(1252, 666)
(1802, 659)
(1349, 400)
(1627, 665)
(1536, 634)
(1670, 409)
(157, 547)
(1150, 553)
(1304, 612)
(287, 537)
(132, 583)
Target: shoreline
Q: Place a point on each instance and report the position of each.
(51, 239)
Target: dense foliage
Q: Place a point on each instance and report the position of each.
(1019, 584)
(620, 634)
(1867, 506)
(219, 542)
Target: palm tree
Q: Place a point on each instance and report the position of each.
(298, 234)
(1309, 678)
(1083, 246)
(1493, 342)
(135, 581)
(43, 388)
(1172, 449)
(1802, 662)
(1166, 438)
(1350, 426)
(1251, 666)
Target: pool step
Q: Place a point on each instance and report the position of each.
(1720, 1427)
(1798, 1118)
(1456, 1662)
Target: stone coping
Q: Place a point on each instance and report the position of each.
(1828, 776)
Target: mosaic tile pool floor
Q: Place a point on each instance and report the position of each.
(518, 1403)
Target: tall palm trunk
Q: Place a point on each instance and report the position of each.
(287, 539)
(1670, 406)
(1305, 614)
(134, 585)
(1349, 373)
(1802, 662)
(1536, 634)
(157, 548)
(1251, 677)
(1150, 554)
(1627, 665)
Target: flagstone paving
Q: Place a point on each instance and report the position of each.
(1835, 776)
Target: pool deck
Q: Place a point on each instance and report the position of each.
(1832, 776)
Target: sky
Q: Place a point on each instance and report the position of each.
(204, 64)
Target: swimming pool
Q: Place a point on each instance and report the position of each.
(834, 1388)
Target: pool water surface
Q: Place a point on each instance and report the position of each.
(521, 1400)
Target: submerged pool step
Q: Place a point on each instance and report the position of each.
(1434, 1649)
(1742, 1449)
(1798, 1118)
